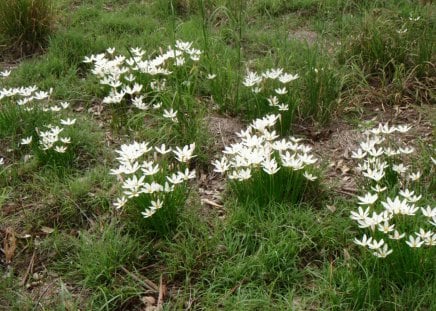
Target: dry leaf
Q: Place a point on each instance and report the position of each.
(47, 230)
(9, 244)
(331, 208)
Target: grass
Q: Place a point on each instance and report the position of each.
(267, 244)
(25, 25)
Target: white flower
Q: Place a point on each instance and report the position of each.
(400, 168)
(386, 227)
(68, 121)
(378, 188)
(120, 202)
(65, 140)
(170, 114)
(397, 235)
(270, 166)
(156, 204)
(148, 213)
(273, 73)
(211, 76)
(281, 91)
(26, 141)
(382, 252)
(185, 154)
(60, 149)
(368, 199)
(414, 176)
(285, 78)
(376, 245)
(221, 166)
(428, 211)
(414, 242)
(163, 149)
(364, 242)
(309, 176)
(358, 154)
(2, 161)
(360, 215)
(175, 179)
(187, 174)
(396, 206)
(283, 107)
(5, 73)
(110, 50)
(374, 174)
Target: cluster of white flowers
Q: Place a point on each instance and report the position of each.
(259, 83)
(30, 98)
(121, 74)
(383, 210)
(261, 148)
(143, 174)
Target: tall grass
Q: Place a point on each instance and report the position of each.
(25, 25)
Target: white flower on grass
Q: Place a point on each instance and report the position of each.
(221, 166)
(149, 170)
(386, 227)
(2, 161)
(360, 215)
(186, 175)
(376, 245)
(424, 234)
(368, 199)
(286, 77)
(133, 185)
(406, 150)
(156, 204)
(273, 73)
(283, 107)
(374, 174)
(110, 50)
(157, 105)
(364, 242)
(175, 179)
(396, 206)
(252, 79)
(403, 128)
(256, 90)
(358, 154)
(120, 202)
(281, 91)
(170, 114)
(163, 149)
(428, 211)
(414, 176)
(5, 73)
(211, 76)
(68, 121)
(65, 140)
(185, 154)
(382, 252)
(270, 166)
(414, 242)
(377, 188)
(396, 235)
(60, 149)
(309, 176)
(26, 141)
(148, 213)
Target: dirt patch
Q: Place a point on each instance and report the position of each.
(303, 35)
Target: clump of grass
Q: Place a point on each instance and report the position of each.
(25, 25)
(392, 53)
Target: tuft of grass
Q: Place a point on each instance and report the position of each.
(25, 25)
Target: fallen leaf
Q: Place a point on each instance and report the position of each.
(331, 208)
(9, 244)
(47, 230)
